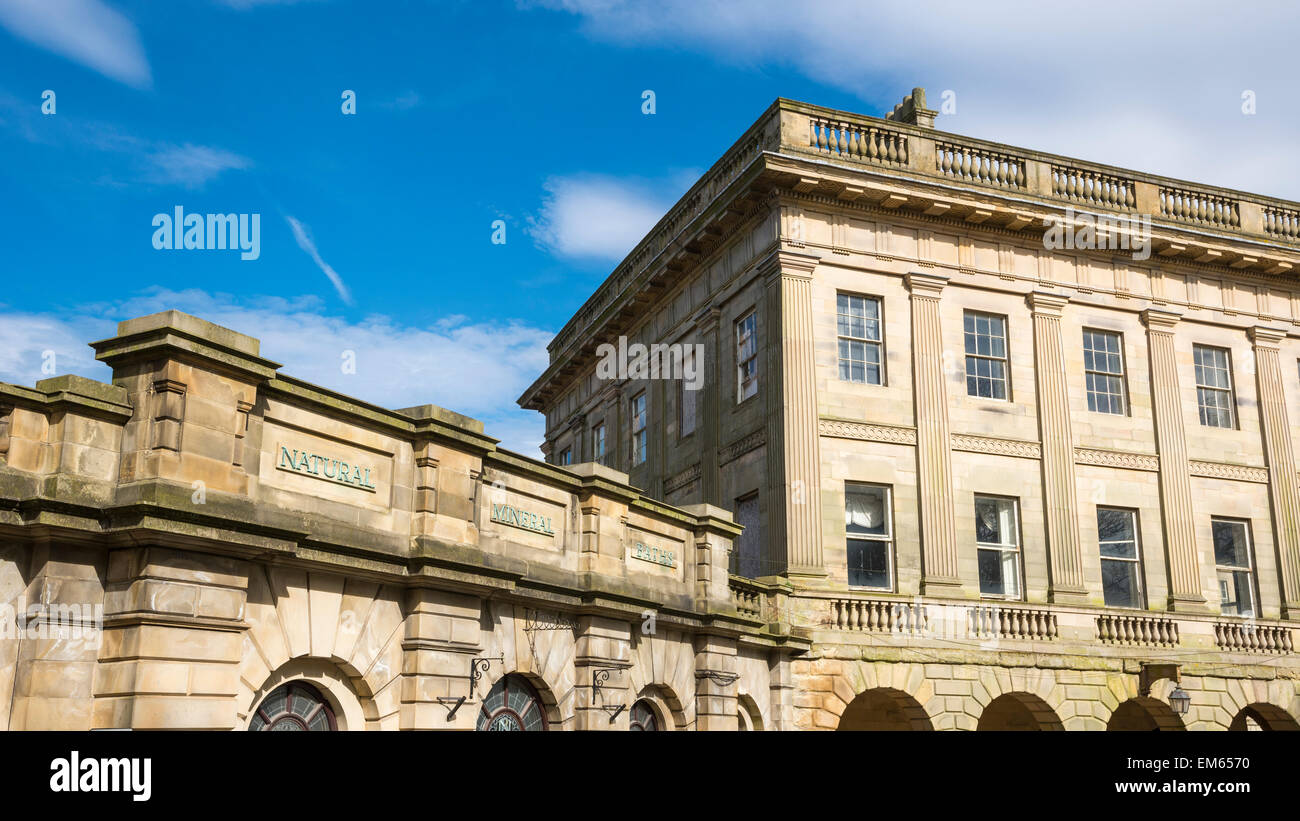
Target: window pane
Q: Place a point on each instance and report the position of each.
(750, 541)
(866, 511)
(868, 563)
(1114, 525)
(990, 567)
(995, 521)
(1231, 548)
(1119, 583)
(1235, 590)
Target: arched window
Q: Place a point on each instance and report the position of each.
(512, 704)
(294, 706)
(643, 717)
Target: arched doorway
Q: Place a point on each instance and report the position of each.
(296, 705)
(512, 705)
(747, 715)
(1144, 714)
(884, 709)
(1018, 712)
(1261, 716)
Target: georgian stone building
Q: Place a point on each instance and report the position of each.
(208, 543)
(1011, 434)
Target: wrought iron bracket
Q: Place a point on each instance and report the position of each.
(479, 666)
(446, 701)
(718, 677)
(600, 675)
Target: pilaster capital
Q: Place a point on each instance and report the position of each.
(925, 285)
(706, 319)
(1046, 302)
(783, 263)
(1263, 336)
(1159, 320)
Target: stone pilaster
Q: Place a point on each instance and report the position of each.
(933, 439)
(1060, 496)
(715, 683)
(173, 639)
(1283, 493)
(1175, 480)
(794, 464)
(602, 655)
(440, 640)
(706, 425)
(781, 692)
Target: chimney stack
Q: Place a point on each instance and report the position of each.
(913, 111)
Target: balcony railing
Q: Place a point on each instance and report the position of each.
(747, 597)
(917, 619)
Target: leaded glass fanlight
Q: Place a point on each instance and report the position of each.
(643, 717)
(512, 705)
(294, 706)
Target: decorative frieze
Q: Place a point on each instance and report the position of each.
(1223, 470)
(996, 445)
(894, 434)
(1116, 459)
(682, 479)
(742, 446)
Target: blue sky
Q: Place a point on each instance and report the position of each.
(528, 113)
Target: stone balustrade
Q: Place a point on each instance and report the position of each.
(746, 597)
(1248, 637)
(975, 165)
(1136, 631)
(877, 616)
(1093, 188)
(996, 621)
(858, 141)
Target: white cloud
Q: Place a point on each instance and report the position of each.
(191, 165)
(84, 31)
(597, 217)
(1152, 86)
(475, 368)
(302, 235)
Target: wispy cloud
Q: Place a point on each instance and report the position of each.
(600, 217)
(191, 165)
(476, 368)
(85, 31)
(148, 161)
(1015, 75)
(302, 235)
(405, 101)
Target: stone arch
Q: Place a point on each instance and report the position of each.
(751, 718)
(667, 706)
(1019, 711)
(1263, 716)
(1144, 713)
(346, 691)
(306, 623)
(664, 664)
(1275, 701)
(833, 684)
(1031, 686)
(545, 694)
(884, 708)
